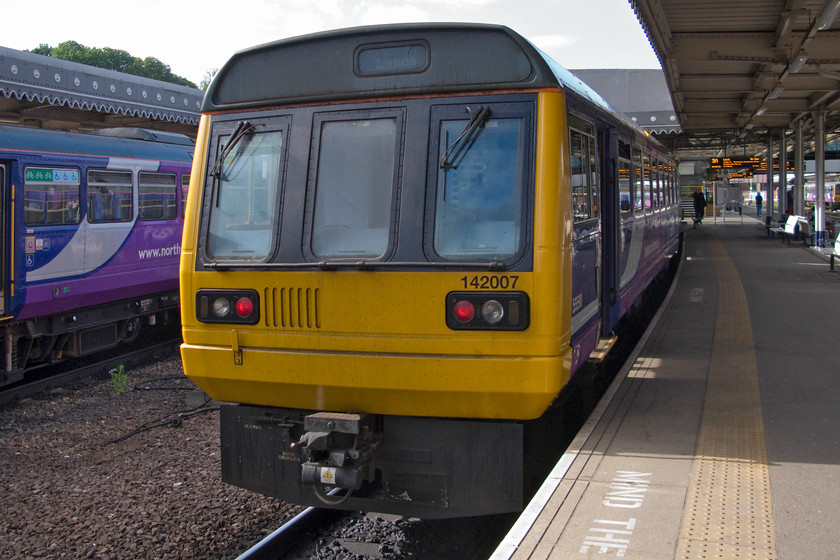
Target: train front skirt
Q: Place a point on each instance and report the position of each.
(426, 467)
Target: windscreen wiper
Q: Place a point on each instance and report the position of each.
(240, 130)
(447, 160)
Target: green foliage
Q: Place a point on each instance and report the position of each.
(113, 59)
(43, 49)
(119, 380)
(208, 77)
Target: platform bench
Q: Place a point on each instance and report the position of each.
(831, 250)
(793, 225)
(768, 224)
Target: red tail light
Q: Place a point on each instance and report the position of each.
(464, 311)
(484, 311)
(227, 306)
(244, 307)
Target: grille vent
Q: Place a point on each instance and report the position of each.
(292, 308)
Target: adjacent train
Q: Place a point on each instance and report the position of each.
(90, 233)
(401, 244)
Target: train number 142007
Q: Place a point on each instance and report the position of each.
(486, 282)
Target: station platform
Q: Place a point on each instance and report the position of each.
(720, 438)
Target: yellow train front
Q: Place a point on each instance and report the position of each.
(377, 264)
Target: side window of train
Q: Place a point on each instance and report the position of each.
(109, 196)
(51, 196)
(663, 184)
(185, 189)
(584, 168)
(638, 183)
(157, 196)
(351, 195)
(245, 178)
(478, 171)
(675, 198)
(654, 184)
(647, 177)
(625, 180)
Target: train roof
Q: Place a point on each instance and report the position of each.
(120, 142)
(388, 60)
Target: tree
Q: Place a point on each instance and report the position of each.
(113, 59)
(43, 49)
(208, 77)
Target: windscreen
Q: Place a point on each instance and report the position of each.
(479, 194)
(354, 187)
(246, 183)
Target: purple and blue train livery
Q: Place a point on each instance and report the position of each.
(91, 229)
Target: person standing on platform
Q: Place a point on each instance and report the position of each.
(759, 200)
(699, 206)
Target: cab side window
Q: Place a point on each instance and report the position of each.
(584, 168)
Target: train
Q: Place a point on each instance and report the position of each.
(91, 227)
(402, 243)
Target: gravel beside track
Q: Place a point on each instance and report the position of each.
(67, 491)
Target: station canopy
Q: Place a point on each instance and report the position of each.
(738, 69)
(44, 92)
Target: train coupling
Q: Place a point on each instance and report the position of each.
(335, 450)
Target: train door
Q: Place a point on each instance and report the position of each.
(586, 236)
(610, 224)
(5, 268)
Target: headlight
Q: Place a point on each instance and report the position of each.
(221, 307)
(492, 311)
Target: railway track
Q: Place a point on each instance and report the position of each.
(51, 379)
(325, 534)
(290, 535)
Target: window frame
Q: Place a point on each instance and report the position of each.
(647, 183)
(523, 110)
(98, 184)
(184, 185)
(655, 182)
(319, 118)
(141, 206)
(579, 124)
(77, 183)
(219, 134)
(638, 181)
(625, 163)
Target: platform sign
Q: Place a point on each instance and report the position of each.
(755, 163)
(734, 162)
(763, 166)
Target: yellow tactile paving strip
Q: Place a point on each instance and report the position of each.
(728, 510)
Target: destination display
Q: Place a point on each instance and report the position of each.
(734, 162)
(755, 163)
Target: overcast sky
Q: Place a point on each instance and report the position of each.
(194, 37)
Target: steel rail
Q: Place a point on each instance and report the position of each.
(288, 536)
(17, 392)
